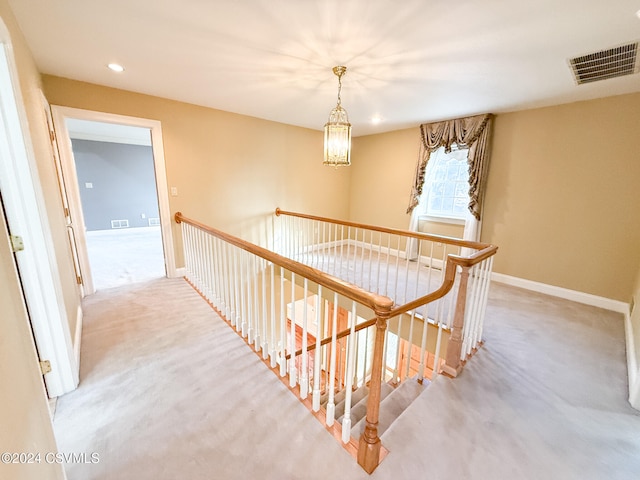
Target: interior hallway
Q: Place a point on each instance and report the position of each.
(169, 391)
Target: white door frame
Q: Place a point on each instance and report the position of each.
(26, 217)
(60, 114)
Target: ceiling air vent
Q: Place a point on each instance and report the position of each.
(614, 62)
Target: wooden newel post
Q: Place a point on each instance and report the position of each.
(453, 364)
(369, 446)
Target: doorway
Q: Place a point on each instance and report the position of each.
(116, 181)
(117, 189)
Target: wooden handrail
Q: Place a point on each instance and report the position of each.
(447, 285)
(396, 231)
(378, 303)
(369, 444)
(343, 333)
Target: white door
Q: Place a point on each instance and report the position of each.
(27, 221)
(64, 197)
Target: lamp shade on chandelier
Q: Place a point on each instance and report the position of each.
(337, 131)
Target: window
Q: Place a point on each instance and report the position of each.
(446, 188)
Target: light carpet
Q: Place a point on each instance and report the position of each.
(169, 391)
(124, 256)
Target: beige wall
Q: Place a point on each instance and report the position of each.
(562, 201)
(562, 195)
(24, 415)
(230, 170)
(382, 172)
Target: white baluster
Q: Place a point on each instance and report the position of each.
(396, 367)
(324, 243)
(256, 305)
(351, 357)
(473, 284)
(379, 289)
(250, 295)
(283, 327)
(331, 406)
(364, 242)
(384, 354)
(376, 287)
(265, 337)
(365, 369)
(272, 340)
(226, 280)
(186, 247)
(397, 273)
(425, 321)
(244, 286)
(388, 266)
(436, 357)
(485, 298)
(211, 278)
(317, 360)
(236, 290)
(292, 340)
(304, 375)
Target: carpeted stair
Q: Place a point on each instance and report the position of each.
(393, 401)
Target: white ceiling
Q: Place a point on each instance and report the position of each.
(107, 132)
(409, 61)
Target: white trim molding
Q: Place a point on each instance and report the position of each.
(77, 337)
(60, 114)
(573, 295)
(632, 364)
(595, 301)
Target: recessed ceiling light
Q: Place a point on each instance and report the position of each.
(638, 14)
(376, 119)
(115, 67)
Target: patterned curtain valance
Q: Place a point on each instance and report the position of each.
(470, 132)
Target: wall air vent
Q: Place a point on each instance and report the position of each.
(611, 63)
(119, 223)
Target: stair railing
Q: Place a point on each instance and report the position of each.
(405, 266)
(284, 308)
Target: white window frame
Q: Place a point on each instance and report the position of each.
(426, 189)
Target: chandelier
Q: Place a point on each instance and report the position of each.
(337, 131)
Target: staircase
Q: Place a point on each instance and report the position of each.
(337, 304)
(393, 401)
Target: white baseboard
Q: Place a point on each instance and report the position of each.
(573, 295)
(77, 335)
(596, 301)
(436, 263)
(632, 365)
(180, 272)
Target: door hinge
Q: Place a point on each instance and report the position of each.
(45, 366)
(78, 279)
(16, 243)
(52, 136)
(66, 212)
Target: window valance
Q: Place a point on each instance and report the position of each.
(469, 132)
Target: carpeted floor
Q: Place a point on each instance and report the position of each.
(124, 256)
(169, 391)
